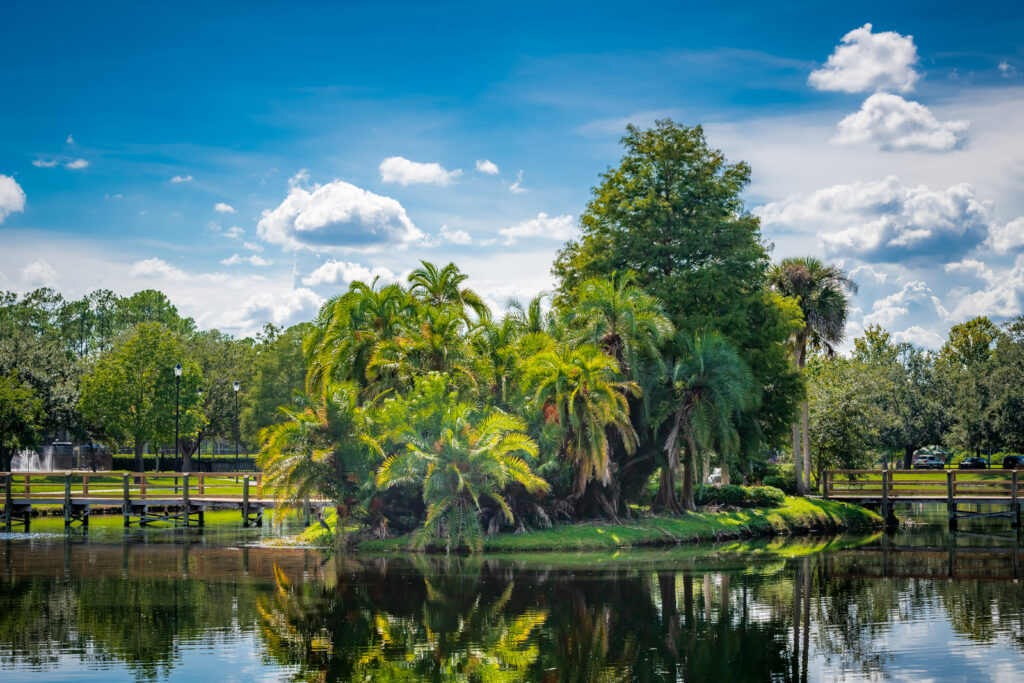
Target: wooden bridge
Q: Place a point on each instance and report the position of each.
(953, 488)
(180, 498)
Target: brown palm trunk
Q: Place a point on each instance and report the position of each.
(807, 448)
(725, 470)
(797, 459)
(688, 467)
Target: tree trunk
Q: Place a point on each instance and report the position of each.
(725, 470)
(798, 460)
(666, 498)
(908, 457)
(139, 465)
(807, 447)
(688, 466)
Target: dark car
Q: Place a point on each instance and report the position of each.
(974, 464)
(1013, 462)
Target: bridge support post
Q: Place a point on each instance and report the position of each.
(184, 499)
(1015, 505)
(126, 506)
(67, 500)
(950, 500)
(886, 511)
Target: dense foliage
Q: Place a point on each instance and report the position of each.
(671, 346)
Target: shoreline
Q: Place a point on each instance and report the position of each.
(796, 516)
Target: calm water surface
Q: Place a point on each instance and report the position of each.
(922, 604)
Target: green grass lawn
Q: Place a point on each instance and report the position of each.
(796, 515)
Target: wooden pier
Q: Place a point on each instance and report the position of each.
(955, 489)
(176, 497)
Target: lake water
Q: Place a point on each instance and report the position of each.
(194, 605)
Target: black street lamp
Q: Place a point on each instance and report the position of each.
(199, 437)
(177, 391)
(236, 387)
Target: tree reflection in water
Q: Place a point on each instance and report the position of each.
(771, 613)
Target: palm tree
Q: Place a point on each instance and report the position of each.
(624, 321)
(822, 292)
(349, 330)
(440, 287)
(324, 450)
(528, 317)
(581, 389)
(469, 458)
(713, 387)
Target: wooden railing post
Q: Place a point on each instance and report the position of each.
(127, 505)
(202, 483)
(85, 484)
(67, 499)
(950, 499)
(184, 490)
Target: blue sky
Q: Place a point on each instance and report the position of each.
(249, 159)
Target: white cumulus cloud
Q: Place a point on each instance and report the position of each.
(181, 179)
(517, 186)
(221, 207)
(869, 62)
(44, 163)
(893, 124)
(284, 308)
(1007, 236)
(156, 268)
(77, 164)
(254, 260)
(39, 273)
(558, 228)
(885, 220)
(12, 197)
(486, 166)
(333, 271)
(339, 216)
(454, 236)
(401, 170)
(915, 297)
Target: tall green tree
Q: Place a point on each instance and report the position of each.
(442, 287)
(672, 213)
(324, 449)
(581, 388)
(822, 293)
(21, 417)
(965, 367)
(277, 377)
(474, 456)
(129, 391)
(906, 391)
(713, 389)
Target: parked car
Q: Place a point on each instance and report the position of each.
(1013, 462)
(974, 464)
(928, 462)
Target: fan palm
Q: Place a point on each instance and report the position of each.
(350, 328)
(624, 321)
(324, 450)
(581, 389)
(441, 287)
(822, 292)
(713, 387)
(469, 457)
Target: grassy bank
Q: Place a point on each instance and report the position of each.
(794, 516)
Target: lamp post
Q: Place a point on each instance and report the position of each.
(177, 390)
(199, 437)
(236, 386)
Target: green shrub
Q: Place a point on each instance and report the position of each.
(785, 484)
(739, 496)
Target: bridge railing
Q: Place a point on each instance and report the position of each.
(922, 484)
(76, 485)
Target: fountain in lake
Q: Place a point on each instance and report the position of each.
(30, 461)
